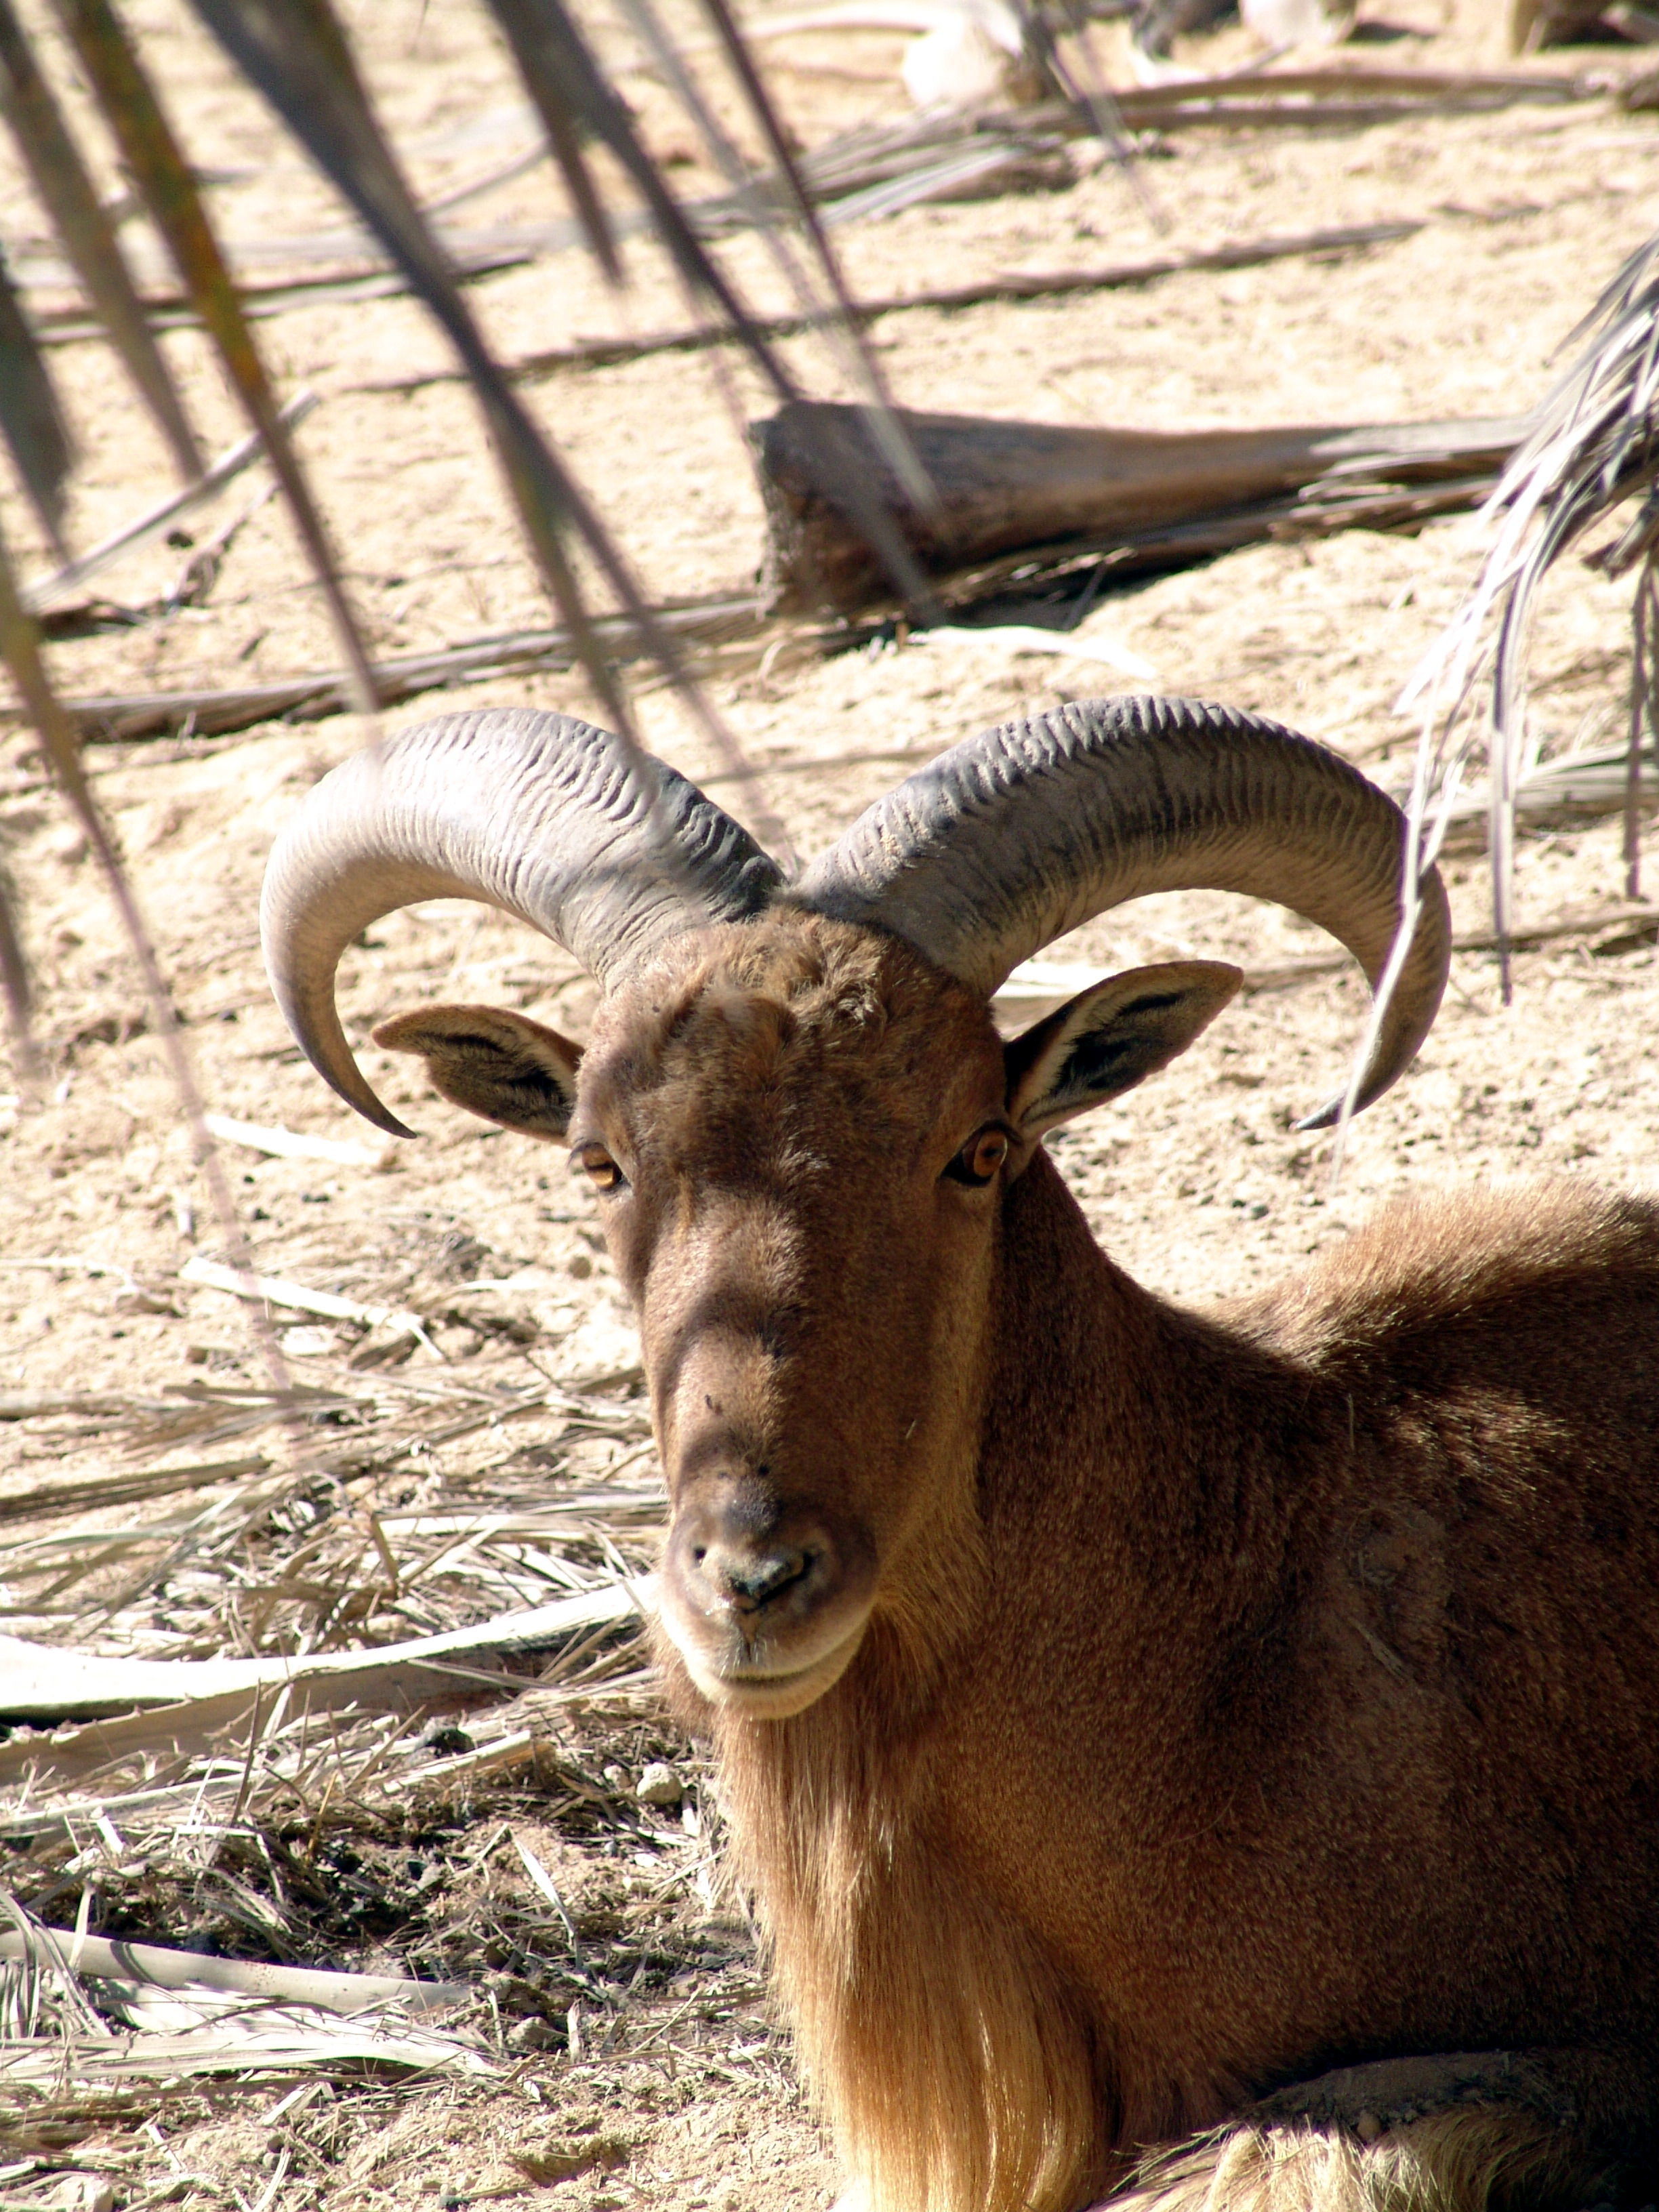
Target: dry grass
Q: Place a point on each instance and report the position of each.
(487, 1831)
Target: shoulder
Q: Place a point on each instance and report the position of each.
(1423, 1264)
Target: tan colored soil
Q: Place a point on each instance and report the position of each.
(1200, 1184)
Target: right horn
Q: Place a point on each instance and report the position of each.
(600, 847)
(1012, 838)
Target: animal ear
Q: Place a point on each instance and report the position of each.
(1110, 1038)
(504, 1066)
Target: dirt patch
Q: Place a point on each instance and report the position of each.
(677, 2091)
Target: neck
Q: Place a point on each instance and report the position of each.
(1130, 1446)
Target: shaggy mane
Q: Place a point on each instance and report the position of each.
(956, 2068)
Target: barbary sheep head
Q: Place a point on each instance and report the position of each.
(802, 1127)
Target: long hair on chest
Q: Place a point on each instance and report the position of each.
(956, 2071)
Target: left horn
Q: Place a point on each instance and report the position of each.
(604, 850)
(1015, 836)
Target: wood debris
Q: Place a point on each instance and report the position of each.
(1036, 987)
(261, 2040)
(1033, 492)
(213, 711)
(61, 586)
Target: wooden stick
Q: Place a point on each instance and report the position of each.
(1339, 77)
(75, 326)
(292, 1145)
(1588, 923)
(1037, 987)
(1578, 788)
(251, 2045)
(213, 1275)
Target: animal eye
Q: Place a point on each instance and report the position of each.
(980, 1158)
(597, 1164)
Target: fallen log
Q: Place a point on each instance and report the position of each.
(1002, 487)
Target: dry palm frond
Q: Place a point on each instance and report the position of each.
(299, 57)
(242, 1980)
(29, 413)
(214, 1803)
(163, 177)
(264, 2039)
(44, 1682)
(1594, 447)
(89, 236)
(310, 1803)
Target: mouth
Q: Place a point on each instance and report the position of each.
(736, 1680)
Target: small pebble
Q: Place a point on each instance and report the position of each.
(660, 1785)
(1368, 2127)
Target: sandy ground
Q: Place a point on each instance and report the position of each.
(1200, 1184)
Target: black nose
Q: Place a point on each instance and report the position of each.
(757, 1564)
(750, 1577)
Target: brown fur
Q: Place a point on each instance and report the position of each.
(1242, 1697)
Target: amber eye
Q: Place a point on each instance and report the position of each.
(980, 1158)
(597, 1164)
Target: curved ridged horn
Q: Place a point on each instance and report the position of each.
(1008, 840)
(605, 850)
